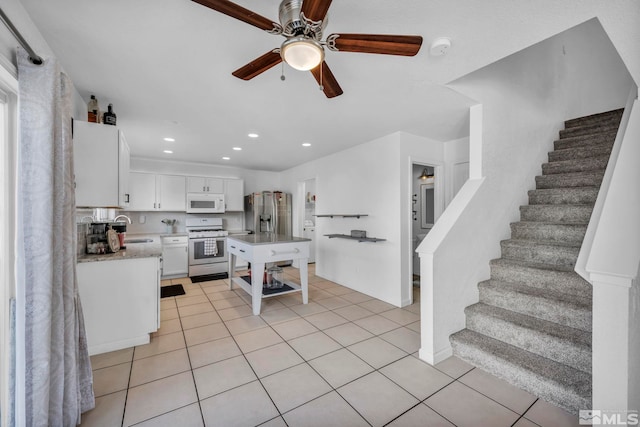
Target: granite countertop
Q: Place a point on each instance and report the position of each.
(133, 250)
(267, 238)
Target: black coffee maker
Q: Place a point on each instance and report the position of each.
(97, 236)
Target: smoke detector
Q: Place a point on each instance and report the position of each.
(440, 46)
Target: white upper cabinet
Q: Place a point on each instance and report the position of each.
(202, 184)
(170, 193)
(234, 195)
(101, 163)
(156, 192)
(143, 191)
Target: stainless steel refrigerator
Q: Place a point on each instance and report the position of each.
(268, 212)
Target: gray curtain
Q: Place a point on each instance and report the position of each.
(54, 379)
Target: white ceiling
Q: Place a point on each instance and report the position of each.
(166, 67)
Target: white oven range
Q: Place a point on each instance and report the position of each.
(207, 247)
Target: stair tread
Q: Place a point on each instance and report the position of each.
(588, 130)
(529, 242)
(573, 174)
(585, 164)
(541, 266)
(553, 372)
(537, 223)
(596, 117)
(574, 336)
(567, 196)
(585, 140)
(580, 152)
(582, 302)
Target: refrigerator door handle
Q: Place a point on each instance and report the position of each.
(276, 220)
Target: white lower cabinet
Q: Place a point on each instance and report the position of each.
(120, 301)
(175, 256)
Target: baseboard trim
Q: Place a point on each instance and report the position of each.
(435, 358)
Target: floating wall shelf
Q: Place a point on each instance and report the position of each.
(341, 215)
(359, 239)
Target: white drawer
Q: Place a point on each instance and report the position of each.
(281, 251)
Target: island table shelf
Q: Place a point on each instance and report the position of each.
(260, 249)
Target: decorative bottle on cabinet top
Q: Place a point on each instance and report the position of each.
(94, 110)
(109, 116)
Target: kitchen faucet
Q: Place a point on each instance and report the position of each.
(122, 216)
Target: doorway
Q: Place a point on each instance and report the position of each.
(424, 210)
(306, 214)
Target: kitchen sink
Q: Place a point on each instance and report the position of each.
(138, 241)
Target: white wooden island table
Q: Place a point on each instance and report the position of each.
(260, 249)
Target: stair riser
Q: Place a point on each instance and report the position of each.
(562, 256)
(551, 232)
(583, 179)
(609, 117)
(582, 165)
(585, 141)
(567, 282)
(519, 377)
(542, 308)
(534, 341)
(587, 130)
(580, 153)
(569, 196)
(556, 213)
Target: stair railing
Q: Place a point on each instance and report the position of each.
(587, 243)
(610, 259)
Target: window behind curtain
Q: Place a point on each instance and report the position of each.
(8, 142)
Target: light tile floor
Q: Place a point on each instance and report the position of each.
(345, 359)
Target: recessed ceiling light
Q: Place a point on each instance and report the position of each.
(226, 158)
(237, 148)
(306, 144)
(170, 139)
(168, 151)
(253, 135)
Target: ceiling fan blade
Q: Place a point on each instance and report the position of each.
(375, 43)
(315, 10)
(258, 65)
(330, 85)
(236, 11)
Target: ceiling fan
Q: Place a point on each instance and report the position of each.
(302, 23)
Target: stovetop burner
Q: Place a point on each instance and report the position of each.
(205, 227)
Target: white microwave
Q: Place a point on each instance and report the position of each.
(205, 203)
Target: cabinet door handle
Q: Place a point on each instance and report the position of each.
(233, 247)
(242, 250)
(154, 205)
(158, 205)
(126, 198)
(204, 188)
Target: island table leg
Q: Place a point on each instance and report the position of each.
(232, 269)
(304, 279)
(257, 278)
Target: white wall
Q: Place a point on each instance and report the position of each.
(363, 179)
(374, 178)
(21, 20)
(634, 343)
(525, 98)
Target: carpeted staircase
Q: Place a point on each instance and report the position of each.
(532, 326)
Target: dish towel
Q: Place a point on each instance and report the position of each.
(210, 247)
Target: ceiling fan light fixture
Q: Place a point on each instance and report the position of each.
(302, 53)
